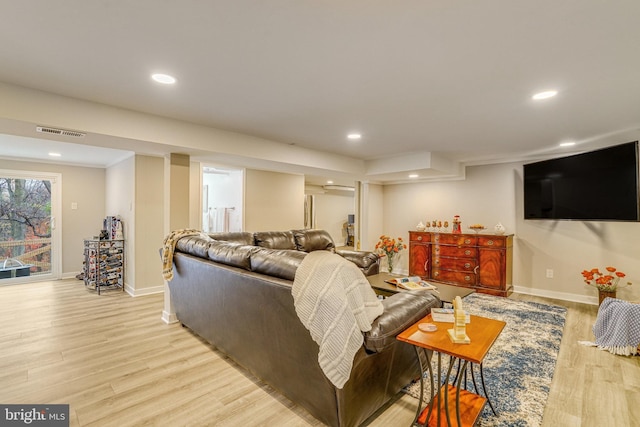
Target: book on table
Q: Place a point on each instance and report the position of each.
(412, 283)
(446, 315)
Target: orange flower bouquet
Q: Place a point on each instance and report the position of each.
(606, 282)
(389, 247)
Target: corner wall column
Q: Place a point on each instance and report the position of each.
(176, 208)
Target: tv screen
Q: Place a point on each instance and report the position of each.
(600, 185)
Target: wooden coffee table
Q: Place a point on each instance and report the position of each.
(483, 332)
(447, 293)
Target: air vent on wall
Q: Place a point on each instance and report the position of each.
(63, 132)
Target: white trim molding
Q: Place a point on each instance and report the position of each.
(565, 296)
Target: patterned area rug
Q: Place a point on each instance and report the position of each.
(519, 367)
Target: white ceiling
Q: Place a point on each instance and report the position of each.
(33, 149)
(453, 78)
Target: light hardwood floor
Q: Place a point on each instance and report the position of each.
(116, 363)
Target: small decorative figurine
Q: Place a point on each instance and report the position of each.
(499, 228)
(119, 232)
(457, 225)
(458, 334)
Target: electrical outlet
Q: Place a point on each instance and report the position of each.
(549, 273)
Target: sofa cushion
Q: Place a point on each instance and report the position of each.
(313, 240)
(197, 245)
(281, 263)
(274, 239)
(362, 259)
(401, 310)
(240, 237)
(232, 254)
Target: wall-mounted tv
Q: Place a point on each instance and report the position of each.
(600, 185)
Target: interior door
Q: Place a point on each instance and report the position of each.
(29, 232)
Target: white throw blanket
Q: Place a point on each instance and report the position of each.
(336, 303)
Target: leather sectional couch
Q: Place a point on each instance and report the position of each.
(234, 290)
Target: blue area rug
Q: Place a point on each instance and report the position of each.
(519, 368)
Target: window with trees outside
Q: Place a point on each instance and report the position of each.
(26, 225)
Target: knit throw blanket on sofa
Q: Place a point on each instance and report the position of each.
(336, 303)
(169, 246)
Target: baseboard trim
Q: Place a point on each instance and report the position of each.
(564, 296)
(169, 318)
(71, 275)
(144, 291)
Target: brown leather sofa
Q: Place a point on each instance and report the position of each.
(234, 290)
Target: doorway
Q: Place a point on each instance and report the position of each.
(222, 199)
(29, 236)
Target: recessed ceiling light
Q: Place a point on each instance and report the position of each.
(567, 144)
(164, 79)
(329, 182)
(413, 175)
(55, 154)
(544, 95)
(354, 136)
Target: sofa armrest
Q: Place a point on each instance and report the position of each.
(401, 310)
(367, 261)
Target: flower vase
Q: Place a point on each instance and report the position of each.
(390, 263)
(605, 294)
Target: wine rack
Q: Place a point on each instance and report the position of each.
(104, 264)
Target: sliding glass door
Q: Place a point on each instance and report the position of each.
(29, 239)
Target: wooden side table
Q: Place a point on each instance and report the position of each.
(483, 332)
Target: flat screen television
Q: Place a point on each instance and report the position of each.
(600, 185)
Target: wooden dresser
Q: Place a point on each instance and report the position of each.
(479, 261)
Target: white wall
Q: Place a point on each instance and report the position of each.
(373, 212)
(195, 195)
(332, 212)
(119, 201)
(492, 194)
(273, 201)
(149, 224)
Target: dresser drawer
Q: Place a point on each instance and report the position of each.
(454, 239)
(419, 236)
(492, 241)
(462, 278)
(456, 264)
(454, 251)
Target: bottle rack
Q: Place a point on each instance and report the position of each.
(103, 264)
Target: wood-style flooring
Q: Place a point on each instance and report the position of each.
(117, 364)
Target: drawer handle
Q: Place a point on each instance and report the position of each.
(467, 241)
(467, 278)
(437, 249)
(436, 274)
(467, 265)
(437, 262)
(467, 252)
(437, 238)
(426, 265)
(490, 243)
(419, 238)
(475, 270)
